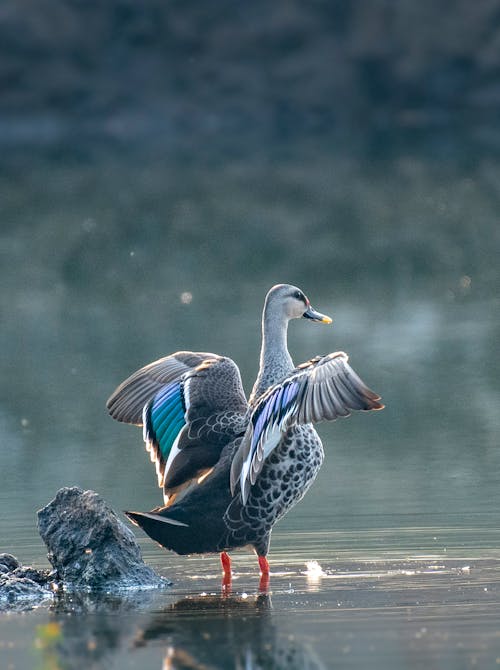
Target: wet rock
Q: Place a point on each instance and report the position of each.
(24, 587)
(19, 593)
(41, 577)
(8, 561)
(89, 547)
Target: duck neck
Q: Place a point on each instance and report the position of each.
(275, 360)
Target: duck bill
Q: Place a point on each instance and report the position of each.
(312, 314)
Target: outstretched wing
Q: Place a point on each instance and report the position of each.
(189, 421)
(323, 388)
(128, 400)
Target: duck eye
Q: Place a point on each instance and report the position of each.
(299, 295)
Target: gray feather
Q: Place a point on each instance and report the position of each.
(129, 398)
(327, 388)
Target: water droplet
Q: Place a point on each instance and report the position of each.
(465, 283)
(88, 225)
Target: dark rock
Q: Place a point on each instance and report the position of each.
(41, 577)
(19, 592)
(89, 547)
(9, 561)
(22, 587)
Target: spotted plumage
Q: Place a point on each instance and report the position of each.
(231, 468)
(284, 479)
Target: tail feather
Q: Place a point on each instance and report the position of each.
(199, 536)
(136, 518)
(168, 532)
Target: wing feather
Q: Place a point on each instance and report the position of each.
(129, 398)
(323, 388)
(349, 397)
(190, 405)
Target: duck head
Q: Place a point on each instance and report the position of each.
(293, 304)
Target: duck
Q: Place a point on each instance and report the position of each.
(231, 467)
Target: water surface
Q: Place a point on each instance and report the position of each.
(400, 530)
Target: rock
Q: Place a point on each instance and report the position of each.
(23, 587)
(9, 561)
(21, 593)
(42, 577)
(89, 547)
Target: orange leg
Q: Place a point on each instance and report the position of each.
(263, 565)
(226, 569)
(264, 574)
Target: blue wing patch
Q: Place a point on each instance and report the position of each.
(166, 417)
(268, 419)
(273, 410)
(163, 421)
(323, 388)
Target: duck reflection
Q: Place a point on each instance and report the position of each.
(212, 632)
(206, 632)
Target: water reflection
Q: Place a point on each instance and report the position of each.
(235, 632)
(91, 627)
(201, 632)
(376, 612)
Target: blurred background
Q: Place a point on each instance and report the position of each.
(162, 164)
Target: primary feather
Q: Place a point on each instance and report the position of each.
(324, 388)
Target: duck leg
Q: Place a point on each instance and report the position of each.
(264, 574)
(225, 561)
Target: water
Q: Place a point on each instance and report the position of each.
(385, 602)
(96, 254)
